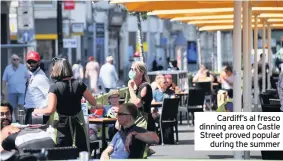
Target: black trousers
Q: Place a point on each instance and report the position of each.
(107, 89)
(28, 119)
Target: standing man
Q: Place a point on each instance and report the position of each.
(92, 72)
(78, 70)
(260, 72)
(15, 77)
(108, 74)
(37, 87)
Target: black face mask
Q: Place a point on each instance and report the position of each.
(5, 122)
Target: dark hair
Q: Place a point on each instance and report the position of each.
(61, 69)
(131, 108)
(7, 104)
(78, 61)
(208, 74)
(228, 69)
(260, 55)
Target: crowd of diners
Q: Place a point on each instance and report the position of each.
(134, 119)
(64, 97)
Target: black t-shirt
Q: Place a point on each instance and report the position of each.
(146, 100)
(69, 94)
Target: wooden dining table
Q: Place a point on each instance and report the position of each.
(156, 104)
(103, 122)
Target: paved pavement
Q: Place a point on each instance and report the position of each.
(185, 149)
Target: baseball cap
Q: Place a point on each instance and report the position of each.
(114, 92)
(33, 55)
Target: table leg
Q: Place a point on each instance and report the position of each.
(104, 144)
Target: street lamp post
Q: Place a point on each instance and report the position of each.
(116, 18)
(59, 27)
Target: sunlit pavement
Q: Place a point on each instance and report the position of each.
(185, 148)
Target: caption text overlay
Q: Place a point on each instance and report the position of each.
(238, 131)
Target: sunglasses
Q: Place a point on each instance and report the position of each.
(31, 62)
(56, 59)
(121, 114)
(15, 59)
(132, 69)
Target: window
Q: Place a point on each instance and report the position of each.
(45, 4)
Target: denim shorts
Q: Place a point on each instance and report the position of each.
(16, 99)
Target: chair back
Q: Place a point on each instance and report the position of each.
(206, 86)
(264, 98)
(273, 81)
(196, 97)
(270, 108)
(170, 109)
(137, 149)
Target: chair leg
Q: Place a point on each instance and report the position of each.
(181, 118)
(161, 132)
(193, 118)
(176, 131)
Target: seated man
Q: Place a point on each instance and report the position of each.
(154, 85)
(226, 79)
(6, 111)
(120, 145)
(13, 138)
(162, 92)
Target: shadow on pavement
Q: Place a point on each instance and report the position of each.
(186, 131)
(229, 156)
(186, 142)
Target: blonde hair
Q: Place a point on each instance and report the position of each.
(159, 79)
(141, 68)
(61, 69)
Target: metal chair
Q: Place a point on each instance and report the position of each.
(195, 102)
(169, 116)
(206, 86)
(137, 149)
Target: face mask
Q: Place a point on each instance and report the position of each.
(132, 75)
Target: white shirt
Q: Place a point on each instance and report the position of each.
(78, 71)
(226, 85)
(37, 91)
(108, 75)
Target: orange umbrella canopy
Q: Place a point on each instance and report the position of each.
(151, 5)
(206, 13)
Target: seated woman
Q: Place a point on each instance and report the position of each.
(203, 75)
(109, 111)
(170, 85)
(161, 93)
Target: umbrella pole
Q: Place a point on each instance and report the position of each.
(237, 97)
(256, 91)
